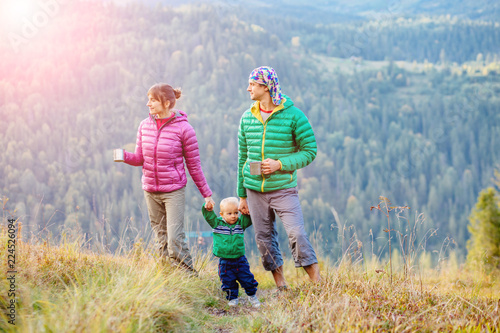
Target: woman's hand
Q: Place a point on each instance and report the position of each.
(209, 204)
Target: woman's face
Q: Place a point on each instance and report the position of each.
(156, 107)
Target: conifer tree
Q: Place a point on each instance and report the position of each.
(484, 226)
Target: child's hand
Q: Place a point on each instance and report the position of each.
(209, 204)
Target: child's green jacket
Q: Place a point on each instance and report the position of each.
(229, 240)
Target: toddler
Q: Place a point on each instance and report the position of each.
(229, 246)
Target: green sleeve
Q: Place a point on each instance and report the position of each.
(246, 221)
(210, 217)
(242, 158)
(306, 144)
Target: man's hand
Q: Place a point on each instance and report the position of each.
(209, 204)
(269, 166)
(243, 206)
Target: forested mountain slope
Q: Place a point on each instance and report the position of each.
(405, 117)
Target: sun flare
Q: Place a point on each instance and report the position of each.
(13, 12)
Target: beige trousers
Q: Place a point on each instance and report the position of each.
(166, 212)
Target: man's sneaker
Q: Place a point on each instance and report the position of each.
(254, 301)
(233, 302)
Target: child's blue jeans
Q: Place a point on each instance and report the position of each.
(232, 270)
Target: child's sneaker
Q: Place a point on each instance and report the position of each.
(254, 301)
(233, 302)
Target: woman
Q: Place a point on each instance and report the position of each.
(164, 140)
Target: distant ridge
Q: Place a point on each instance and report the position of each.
(325, 12)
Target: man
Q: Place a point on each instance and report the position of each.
(276, 133)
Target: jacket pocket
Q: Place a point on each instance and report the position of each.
(222, 268)
(243, 169)
(178, 173)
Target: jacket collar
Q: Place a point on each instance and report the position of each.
(255, 109)
(178, 116)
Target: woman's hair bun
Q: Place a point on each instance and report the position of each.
(177, 93)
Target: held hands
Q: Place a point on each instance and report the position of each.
(209, 204)
(243, 206)
(269, 166)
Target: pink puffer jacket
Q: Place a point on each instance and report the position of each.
(161, 154)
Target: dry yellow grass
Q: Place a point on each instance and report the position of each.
(68, 289)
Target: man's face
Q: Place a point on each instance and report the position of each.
(257, 91)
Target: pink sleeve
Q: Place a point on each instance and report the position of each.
(135, 159)
(191, 154)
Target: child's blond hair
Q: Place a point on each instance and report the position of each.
(229, 200)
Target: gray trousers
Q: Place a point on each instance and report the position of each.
(166, 212)
(263, 209)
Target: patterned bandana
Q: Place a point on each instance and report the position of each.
(267, 76)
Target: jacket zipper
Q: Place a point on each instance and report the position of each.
(155, 161)
(263, 142)
(156, 147)
(263, 139)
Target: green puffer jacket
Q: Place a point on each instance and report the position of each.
(229, 242)
(286, 136)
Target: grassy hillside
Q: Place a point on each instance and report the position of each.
(66, 288)
(422, 130)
